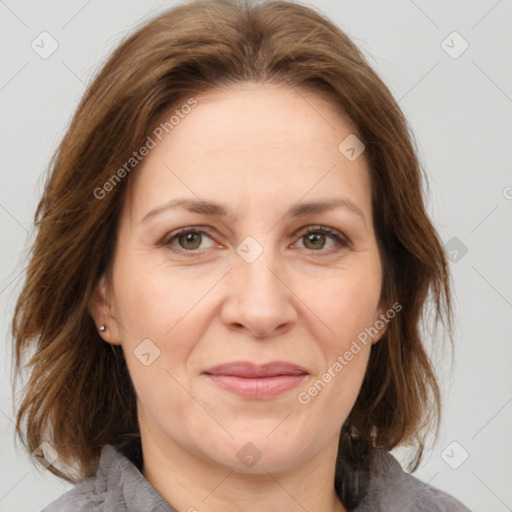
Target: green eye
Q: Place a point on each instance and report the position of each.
(190, 240)
(316, 238)
(187, 241)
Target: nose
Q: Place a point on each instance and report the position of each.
(259, 299)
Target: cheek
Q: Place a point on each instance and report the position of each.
(170, 307)
(350, 303)
(348, 306)
(348, 309)
(162, 305)
(155, 300)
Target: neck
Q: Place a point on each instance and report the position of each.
(192, 484)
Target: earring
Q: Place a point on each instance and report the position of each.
(103, 328)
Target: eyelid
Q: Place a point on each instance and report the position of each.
(166, 240)
(341, 239)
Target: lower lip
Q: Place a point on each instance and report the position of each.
(258, 388)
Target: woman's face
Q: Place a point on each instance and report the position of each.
(246, 285)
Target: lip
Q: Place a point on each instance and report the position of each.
(250, 370)
(257, 381)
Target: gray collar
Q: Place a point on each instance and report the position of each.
(119, 486)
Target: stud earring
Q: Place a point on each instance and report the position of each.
(103, 328)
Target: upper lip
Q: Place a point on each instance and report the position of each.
(248, 369)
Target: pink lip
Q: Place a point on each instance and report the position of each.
(252, 381)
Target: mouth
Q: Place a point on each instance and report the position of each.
(257, 381)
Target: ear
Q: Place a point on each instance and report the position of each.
(380, 324)
(101, 310)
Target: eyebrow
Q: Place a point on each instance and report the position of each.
(217, 210)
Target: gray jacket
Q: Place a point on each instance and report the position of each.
(119, 486)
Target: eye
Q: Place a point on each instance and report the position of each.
(188, 239)
(316, 237)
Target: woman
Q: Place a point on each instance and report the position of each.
(232, 263)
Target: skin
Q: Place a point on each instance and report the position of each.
(258, 150)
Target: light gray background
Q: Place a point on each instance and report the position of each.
(461, 113)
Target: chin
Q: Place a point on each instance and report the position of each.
(260, 453)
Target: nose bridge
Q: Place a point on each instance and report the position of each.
(257, 268)
(259, 275)
(258, 298)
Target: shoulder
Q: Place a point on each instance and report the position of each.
(72, 501)
(117, 486)
(391, 488)
(95, 493)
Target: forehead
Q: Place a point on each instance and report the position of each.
(252, 141)
(261, 115)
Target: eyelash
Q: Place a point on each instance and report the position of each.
(340, 240)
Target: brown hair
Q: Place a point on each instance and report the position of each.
(79, 395)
